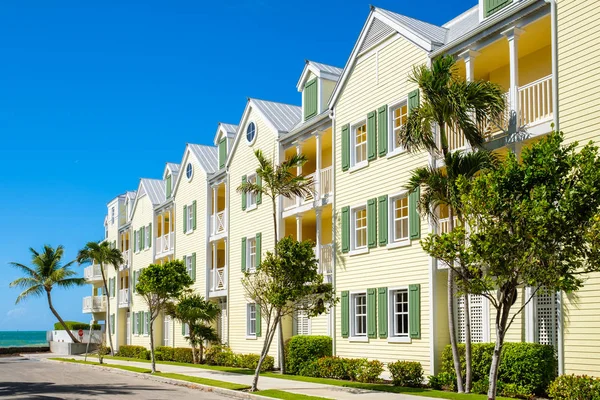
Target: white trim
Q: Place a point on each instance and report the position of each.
(353, 249)
(251, 142)
(359, 166)
(392, 148)
(351, 326)
(189, 178)
(354, 165)
(254, 205)
(391, 226)
(250, 335)
(392, 338)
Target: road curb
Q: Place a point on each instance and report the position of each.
(176, 382)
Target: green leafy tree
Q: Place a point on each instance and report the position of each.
(281, 283)
(103, 254)
(534, 223)
(198, 314)
(449, 104)
(274, 181)
(45, 273)
(159, 284)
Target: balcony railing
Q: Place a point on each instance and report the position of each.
(164, 244)
(535, 101)
(326, 181)
(325, 256)
(319, 189)
(312, 194)
(94, 304)
(218, 279)
(126, 260)
(444, 224)
(218, 222)
(92, 273)
(124, 297)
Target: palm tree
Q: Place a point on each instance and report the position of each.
(104, 254)
(275, 181)
(198, 314)
(451, 104)
(45, 273)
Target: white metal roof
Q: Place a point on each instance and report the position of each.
(155, 190)
(206, 156)
(430, 32)
(229, 128)
(283, 116)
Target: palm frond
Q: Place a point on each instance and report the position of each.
(71, 282)
(28, 271)
(34, 291)
(24, 282)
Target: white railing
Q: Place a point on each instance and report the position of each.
(317, 191)
(218, 222)
(126, 260)
(444, 224)
(454, 136)
(92, 273)
(326, 181)
(164, 243)
(94, 304)
(218, 280)
(310, 196)
(124, 297)
(289, 203)
(325, 256)
(535, 101)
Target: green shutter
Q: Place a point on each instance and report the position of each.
(182, 329)
(243, 254)
(150, 229)
(222, 152)
(345, 314)
(258, 194)
(132, 321)
(168, 186)
(372, 313)
(492, 6)
(382, 312)
(413, 100)
(135, 249)
(112, 324)
(345, 229)
(414, 219)
(114, 287)
(383, 220)
(185, 211)
(143, 236)
(310, 99)
(382, 130)
(372, 223)
(258, 321)
(193, 267)
(258, 248)
(345, 147)
(414, 311)
(372, 135)
(133, 282)
(244, 179)
(194, 215)
(147, 322)
(138, 323)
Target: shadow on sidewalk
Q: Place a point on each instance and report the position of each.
(45, 390)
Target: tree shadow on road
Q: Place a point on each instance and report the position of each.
(45, 390)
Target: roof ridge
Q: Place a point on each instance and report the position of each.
(273, 102)
(460, 16)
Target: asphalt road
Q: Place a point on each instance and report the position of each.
(21, 378)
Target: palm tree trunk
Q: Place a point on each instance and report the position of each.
(200, 354)
(107, 320)
(451, 327)
(59, 318)
(152, 344)
(280, 323)
(468, 357)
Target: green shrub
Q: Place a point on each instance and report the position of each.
(103, 350)
(75, 326)
(302, 350)
(145, 355)
(529, 366)
(250, 361)
(366, 371)
(480, 387)
(219, 355)
(355, 369)
(575, 387)
(443, 381)
(131, 351)
(164, 353)
(514, 390)
(183, 355)
(406, 373)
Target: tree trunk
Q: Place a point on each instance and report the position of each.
(193, 354)
(468, 362)
(264, 352)
(280, 324)
(59, 318)
(501, 321)
(451, 327)
(152, 344)
(107, 320)
(201, 352)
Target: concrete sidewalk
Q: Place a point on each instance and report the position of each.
(307, 388)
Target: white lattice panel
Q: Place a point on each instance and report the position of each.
(546, 322)
(478, 318)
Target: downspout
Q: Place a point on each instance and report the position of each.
(333, 235)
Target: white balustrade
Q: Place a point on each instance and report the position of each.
(124, 297)
(326, 262)
(94, 304)
(310, 196)
(218, 222)
(289, 203)
(535, 101)
(444, 224)
(218, 279)
(326, 181)
(164, 243)
(93, 273)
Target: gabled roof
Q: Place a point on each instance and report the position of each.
(432, 33)
(228, 129)
(173, 167)
(153, 188)
(319, 69)
(462, 24)
(206, 157)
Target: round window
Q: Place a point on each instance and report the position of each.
(189, 170)
(251, 132)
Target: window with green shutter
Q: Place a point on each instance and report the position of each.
(194, 215)
(134, 281)
(414, 311)
(258, 248)
(382, 312)
(382, 130)
(222, 152)
(143, 237)
(147, 327)
(345, 147)
(310, 99)
(243, 254)
(413, 100)
(150, 234)
(182, 329)
(185, 218)
(414, 217)
(382, 212)
(135, 247)
(258, 194)
(345, 314)
(372, 222)
(345, 229)
(372, 313)
(258, 321)
(139, 322)
(491, 7)
(244, 179)
(169, 187)
(193, 267)
(371, 135)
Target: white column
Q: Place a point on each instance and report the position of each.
(298, 227)
(318, 169)
(214, 209)
(512, 35)
(226, 272)
(318, 238)
(213, 270)
(299, 151)
(469, 58)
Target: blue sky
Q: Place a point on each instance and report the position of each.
(95, 95)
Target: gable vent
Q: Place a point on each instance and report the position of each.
(375, 34)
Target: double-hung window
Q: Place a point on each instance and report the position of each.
(251, 256)
(148, 241)
(359, 315)
(251, 320)
(188, 265)
(359, 228)
(398, 307)
(359, 144)
(251, 196)
(190, 218)
(398, 118)
(399, 214)
(186, 330)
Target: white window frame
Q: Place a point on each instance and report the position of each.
(393, 337)
(354, 164)
(187, 166)
(251, 203)
(189, 228)
(296, 317)
(392, 219)
(250, 309)
(250, 256)
(135, 322)
(353, 231)
(148, 239)
(145, 328)
(251, 142)
(393, 147)
(186, 330)
(112, 215)
(354, 336)
(188, 265)
(138, 241)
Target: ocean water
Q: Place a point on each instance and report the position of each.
(22, 338)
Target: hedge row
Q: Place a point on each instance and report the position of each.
(302, 350)
(353, 369)
(573, 387)
(75, 326)
(223, 356)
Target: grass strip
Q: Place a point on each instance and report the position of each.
(280, 394)
(234, 370)
(204, 381)
(123, 367)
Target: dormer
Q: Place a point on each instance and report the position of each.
(170, 176)
(316, 84)
(224, 140)
(487, 8)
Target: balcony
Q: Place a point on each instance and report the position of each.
(126, 260)
(218, 279)
(325, 256)
(124, 298)
(322, 187)
(164, 244)
(93, 304)
(93, 273)
(218, 223)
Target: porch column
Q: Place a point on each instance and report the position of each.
(226, 271)
(318, 170)
(512, 35)
(213, 270)
(469, 58)
(318, 238)
(299, 227)
(299, 170)
(214, 209)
